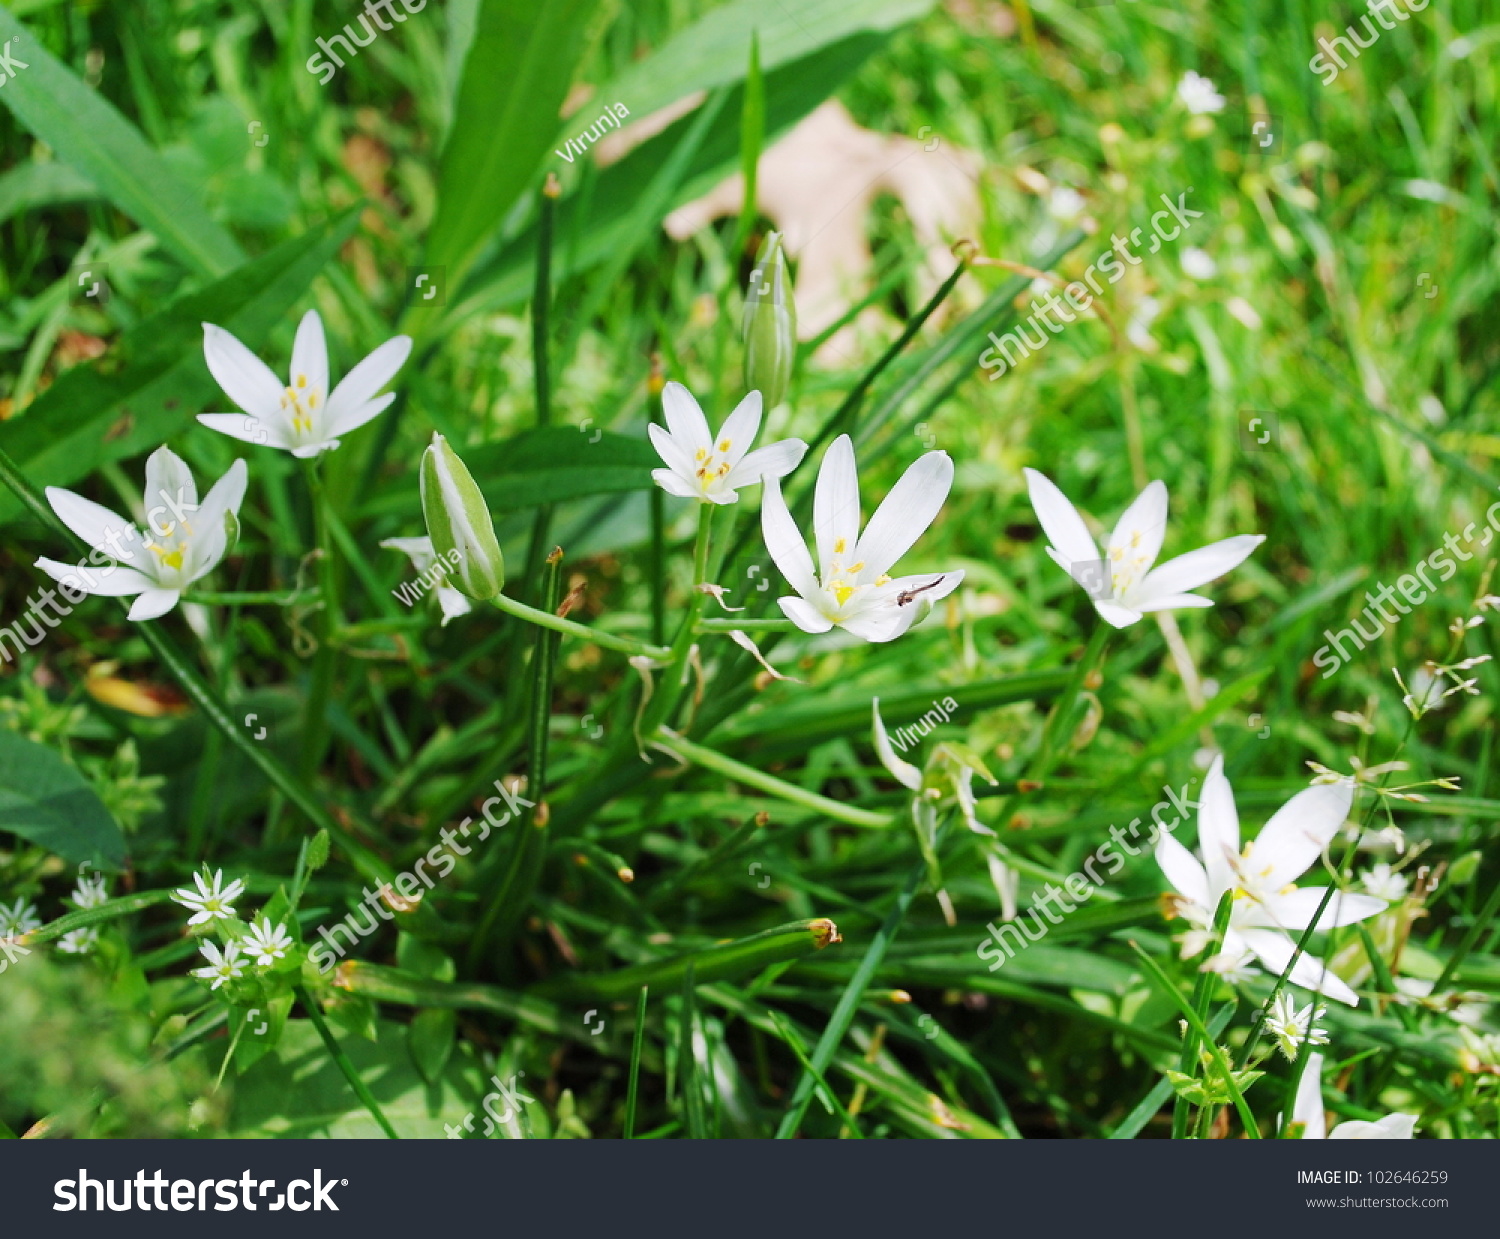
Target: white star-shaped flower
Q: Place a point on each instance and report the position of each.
(79, 941)
(1291, 1027)
(265, 943)
(17, 921)
(1198, 94)
(210, 901)
(712, 468)
(852, 587)
(1384, 882)
(225, 965)
(184, 540)
(1267, 907)
(90, 892)
(301, 417)
(1122, 581)
(1308, 1110)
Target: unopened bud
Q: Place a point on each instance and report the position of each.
(769, 327)
(459, 524)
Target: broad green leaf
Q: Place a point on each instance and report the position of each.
(516, 75)
(713, 51)
(297, 1090)
(44, 800)
(791, 92)
(148, 387)
(89, 133)
(549, 464)
(430, 1037)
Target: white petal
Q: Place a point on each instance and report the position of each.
(308, 450)
(879, 626)
(836, 506)
(94, 523)
(106, 582)
(1116, 616)
(740, 429)
(209, 540)
(342, 421)
(784, 542)
(671, 482)
(1392, 1127)
(1199, 567)
(1297, 833)
(453, 603)
(685, 419)
(1274, 949)
(310, 357)
(346, 405)
(1168, 602)
(804, 614)
(1294, 911)
(775, 460)
(902, 771)
(1308, 1108)
(271, 431)
(1183, 871)
(1060, 521)
(245, 378)
(152, 603)
(1141, 526)
(672, 453)
(904, 515)
(418, 550)
(1218, 831)
(168, 481)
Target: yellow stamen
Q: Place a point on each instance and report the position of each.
(842, 591)
(883, 579)
(702, 454)
(302, 380)
(838, 547)
(724, 446)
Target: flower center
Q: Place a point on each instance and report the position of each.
(302, 401)
(712, 465)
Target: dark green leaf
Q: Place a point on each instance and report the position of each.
(45, 800)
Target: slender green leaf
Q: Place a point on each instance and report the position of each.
(89, 133)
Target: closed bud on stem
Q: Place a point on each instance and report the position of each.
(458, 522)
(769, 327)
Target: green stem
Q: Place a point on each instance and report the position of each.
(545, 619)
(344, 1065)
(658, 567)
(320, 688)
(512, 894)
(685, 750)
(252, 597)
(636, 1042)
(848, 1005)
(541, 304)
(1202, 989)
(721, 962)
(747, 625)
(1201, 1029)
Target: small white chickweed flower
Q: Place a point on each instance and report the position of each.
(211, 901)
(225, 965)
(1198, 94)
(265, 943)
(1292, 1028)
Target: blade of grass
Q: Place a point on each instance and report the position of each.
(344, 1065)
(636, 1041)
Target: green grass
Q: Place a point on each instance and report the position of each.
(1380, 189)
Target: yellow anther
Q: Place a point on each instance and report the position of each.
(842, 591)
(724, 446)
(702, 454)
(302, 380)
(883, 579)
(838, 547)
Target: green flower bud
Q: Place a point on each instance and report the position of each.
(458, 522)
(769, 327)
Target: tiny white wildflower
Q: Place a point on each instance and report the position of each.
(79, 941)
(225, 965)
(1384, 882)
(210, 901)
(1198, 94)
(1292, 1028)
(90, 892)
(266, 944)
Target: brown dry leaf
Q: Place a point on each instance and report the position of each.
(817, 184)
(143, 700)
